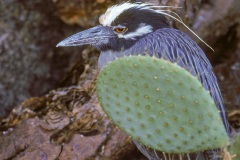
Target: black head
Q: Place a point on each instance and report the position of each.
(121, 26)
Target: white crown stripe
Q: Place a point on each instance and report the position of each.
(113, 12)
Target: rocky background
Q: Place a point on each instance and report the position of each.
(56, 114)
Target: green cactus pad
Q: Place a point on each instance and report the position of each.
(234, 147)
(160, 105)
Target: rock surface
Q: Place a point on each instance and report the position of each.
(67, 123)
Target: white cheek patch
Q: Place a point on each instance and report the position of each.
(142, 30)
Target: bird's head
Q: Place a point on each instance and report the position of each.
(120, 27)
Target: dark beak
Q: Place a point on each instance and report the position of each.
(93, 36)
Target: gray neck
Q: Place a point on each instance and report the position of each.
(108, 56)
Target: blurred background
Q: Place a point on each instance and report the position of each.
(31, 65)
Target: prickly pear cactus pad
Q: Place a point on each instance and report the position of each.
(234, 147)
(160, 105)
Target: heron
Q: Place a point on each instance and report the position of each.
(140, 28)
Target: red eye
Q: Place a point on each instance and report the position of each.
(120, 29)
